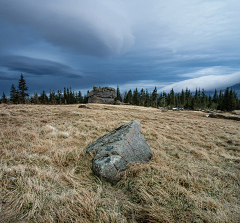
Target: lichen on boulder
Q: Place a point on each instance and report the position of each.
(115, 150)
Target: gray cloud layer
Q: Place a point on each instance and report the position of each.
(85, 27)
(120, 42)
(37, 66)
(221, 81)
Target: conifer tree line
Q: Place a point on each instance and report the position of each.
(18, 95)
(66, 97)
(227, 101)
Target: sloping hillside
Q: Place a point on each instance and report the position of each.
(46, 175)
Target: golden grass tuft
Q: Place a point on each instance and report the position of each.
(46, 175)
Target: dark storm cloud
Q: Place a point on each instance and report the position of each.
(5, 77)
(37, 66)
(77, 26)
(133, 43)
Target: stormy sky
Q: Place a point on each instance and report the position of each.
(129, 43)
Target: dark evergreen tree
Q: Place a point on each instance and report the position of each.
(136, 97)
(232, 101)
(85, 99)
(183, 98)
(215, 97)
(220, 100)
(43, 98)
(204, 99)
(172, 98)
(52, 98)
(164, 99)
(178, 100)
(228, 101)
(129, 97)
(142, 97)
(119, 97)
(225, 105)
(68, 98)
(196, 100)
(59, 97)
(79, 97)
(193, 104)
(188, 99)
(210, 102)
(237, 100)
(71, 98)
(17, 95)
(154, 98)
(4, 98)
(13, 95)
(125, 97)
(35, 99)
(22, 88)
(147, 99)
(64, 96)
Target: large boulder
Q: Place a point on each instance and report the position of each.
(102, 95)
(115, 150)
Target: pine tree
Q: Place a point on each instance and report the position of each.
(52, 98)
(59, 97)
(79, 97)
(4, 99)
(210, 102)
(215, 97)
(85, 99)
(220, 99)
(129, 97)
(172, 98)
(35, 99)
(196, 99)
(71, 98)
(193, 104)
(232, 101)
(142, 97)
(225, 106)
(147, 99)
(125, 97)
(68, 98)
(64, 96)
(22, 88)
(164, 100)
(119, 97)
(188, 99)
(13, 95)
(204, 99)
(183, 98)
(136, 97)
(43, 98)
(177, 100)
(236, 100)
(154, 97)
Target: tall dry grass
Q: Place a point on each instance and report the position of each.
(46, 175)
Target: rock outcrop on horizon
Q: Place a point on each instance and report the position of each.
(115, 150)
(102, 95)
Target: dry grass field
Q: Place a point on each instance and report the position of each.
(46, 175)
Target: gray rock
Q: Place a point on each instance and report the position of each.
(115, 150)
(102, 95)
